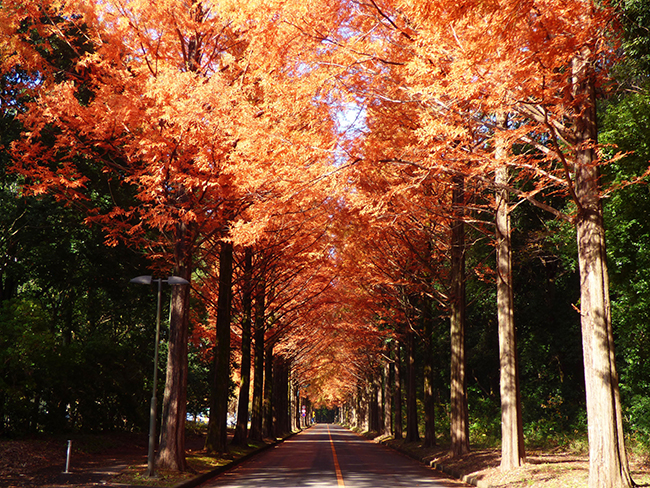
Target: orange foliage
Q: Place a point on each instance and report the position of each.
(232, 118)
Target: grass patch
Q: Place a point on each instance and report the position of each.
(198, 463)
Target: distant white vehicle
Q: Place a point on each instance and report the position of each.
(201, 418)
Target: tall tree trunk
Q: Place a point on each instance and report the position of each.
(373, 405)
(387, 396)
(412, 434)
(216, 439)
(352, 411)
(608, 464)
(296, 407)
(397, 391)
(362, 419)
(241, 429)
(257, 412)
(280, 396)
(380, 400)
(429, 400)
(267, 404)
(171, 452)
(459, 421)
(513, 453)
(365, 405)
(285, 414)
(358, 422)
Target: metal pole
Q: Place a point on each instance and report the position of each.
(152, 412)
(67, 458)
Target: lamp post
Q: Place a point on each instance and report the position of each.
(146, 280)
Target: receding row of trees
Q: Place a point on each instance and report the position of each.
(361, 195)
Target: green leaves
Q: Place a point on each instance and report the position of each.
(625, 125)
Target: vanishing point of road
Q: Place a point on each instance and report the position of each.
(329, 456)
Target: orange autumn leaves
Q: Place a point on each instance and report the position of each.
(221, 115)
(212, 114)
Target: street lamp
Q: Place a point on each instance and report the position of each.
(146, 280)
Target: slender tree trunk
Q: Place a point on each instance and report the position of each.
(365, 405)
(285, 414)
(412, 434)
(257, 411)
(355, 408)
(241, 430)
(373, 405)
(352, 412)
(429, 400)
(280, 393)
(380, 400)
(267, 408)
(361, 410)
(296, 409)
(459, 421)
(608, 464)
(216, 439)
(513, 453)
(387, 397)
(397, 392)
(171, 452)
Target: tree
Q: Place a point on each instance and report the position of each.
(553, 90)
(625, 127)
(459, 423)
(606, 438)
(412, 434)
(147, 119)
(241, 429)
(65, 319)
(512, 434)
(216, 438)
(397, 391)
(429, 379)
(259, 328)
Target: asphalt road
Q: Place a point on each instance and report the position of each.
(327, 456)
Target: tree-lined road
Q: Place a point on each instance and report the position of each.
(326, 456)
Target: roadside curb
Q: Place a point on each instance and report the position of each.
(470, 479)
(235, 462)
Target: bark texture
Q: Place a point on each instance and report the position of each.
(280, 404)
(241, 429)
(412, 434)
(608, 464)
(429, 399)
(386, 397)
(171, 452)
(216, 439)
(397, 391)
(459, 421)
(257, 413)
(513, 453)
(267, 402)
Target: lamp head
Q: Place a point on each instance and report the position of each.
(142, 280)
(177, 280)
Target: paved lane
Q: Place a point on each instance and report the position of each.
(329, 456)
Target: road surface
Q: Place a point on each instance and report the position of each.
(329, 456)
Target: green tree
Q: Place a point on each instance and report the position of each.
(626, 124)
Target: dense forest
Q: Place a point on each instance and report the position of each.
(432, 220)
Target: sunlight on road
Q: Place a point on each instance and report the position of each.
(328, 456)
(339, 475)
